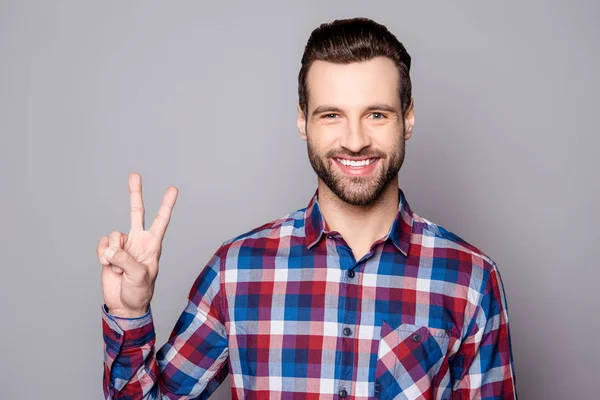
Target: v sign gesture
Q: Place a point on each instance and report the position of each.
(130, 261)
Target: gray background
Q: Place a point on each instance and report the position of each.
(202, 96)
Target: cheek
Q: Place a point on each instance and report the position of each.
(322, 139)
(388, 140)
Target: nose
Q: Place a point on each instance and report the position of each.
(356, 138)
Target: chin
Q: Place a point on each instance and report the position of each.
(357, 197)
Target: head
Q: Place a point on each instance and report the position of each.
(355, 107)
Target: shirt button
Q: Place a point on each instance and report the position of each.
(343, 393)
(351, 274)
(416, 337)
(377, 386)
(347, 331)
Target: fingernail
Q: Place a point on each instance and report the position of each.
(109, 253)
(116, 270)
(103, 260)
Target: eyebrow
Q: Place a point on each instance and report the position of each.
(372, 107)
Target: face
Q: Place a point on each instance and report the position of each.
(354, 128)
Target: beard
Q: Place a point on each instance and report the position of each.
(357, 190)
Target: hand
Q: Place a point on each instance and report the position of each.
(130, 261)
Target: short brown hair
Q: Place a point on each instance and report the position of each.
(345, 41)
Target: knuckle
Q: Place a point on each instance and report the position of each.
(102, 245)
(100, 250)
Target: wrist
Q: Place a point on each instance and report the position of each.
(126, 313)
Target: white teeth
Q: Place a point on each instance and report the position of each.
(349, 163)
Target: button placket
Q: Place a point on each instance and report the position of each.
(347, 290)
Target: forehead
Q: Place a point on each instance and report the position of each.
(353, 85)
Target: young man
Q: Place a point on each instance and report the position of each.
(354, 296)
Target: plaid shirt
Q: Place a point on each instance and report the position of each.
(288, 312)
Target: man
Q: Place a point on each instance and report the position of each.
(354, 296)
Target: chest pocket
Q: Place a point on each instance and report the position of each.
(408, 358)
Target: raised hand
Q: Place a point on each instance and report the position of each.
(130, 261)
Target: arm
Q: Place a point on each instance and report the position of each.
(192, 364)
(483, 367)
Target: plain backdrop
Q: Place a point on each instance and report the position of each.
(201, 95)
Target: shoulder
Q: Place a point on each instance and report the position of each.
(291, 224)
(453, 251)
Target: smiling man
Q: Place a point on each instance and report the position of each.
(354, 296)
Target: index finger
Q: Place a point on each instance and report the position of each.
(136, 201)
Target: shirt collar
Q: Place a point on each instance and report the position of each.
(399, 233)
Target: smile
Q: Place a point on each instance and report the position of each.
(356, 168)
(356, 164)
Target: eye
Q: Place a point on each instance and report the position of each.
(330, 115)
(377, 115)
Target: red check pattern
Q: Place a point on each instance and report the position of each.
(287, 312)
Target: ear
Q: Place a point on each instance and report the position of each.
(409, 120)
(301, 122)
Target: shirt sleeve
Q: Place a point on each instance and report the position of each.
(483, 367)
(192, 364)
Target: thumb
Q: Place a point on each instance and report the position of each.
(121, 261)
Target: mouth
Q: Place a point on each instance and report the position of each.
(361, 167)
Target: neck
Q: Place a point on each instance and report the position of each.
(360, 226)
